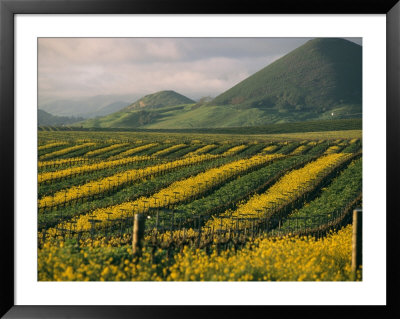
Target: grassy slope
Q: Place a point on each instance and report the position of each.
(184, 117)
(296, 127)
(209, 116)
(131, 118)
(232, 116)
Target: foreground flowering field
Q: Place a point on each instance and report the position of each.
(216, 208)
(284, 259)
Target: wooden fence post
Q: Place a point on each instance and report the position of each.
(138, 234)
(356, 260)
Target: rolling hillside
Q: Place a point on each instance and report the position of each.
(147, 110)
(320, 80)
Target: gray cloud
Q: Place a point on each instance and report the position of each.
(76, 67)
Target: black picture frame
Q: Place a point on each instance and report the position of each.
(8, 8)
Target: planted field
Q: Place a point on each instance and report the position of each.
(210, 207)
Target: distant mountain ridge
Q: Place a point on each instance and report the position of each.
(45, 118)
(88, 107)
(319, 80)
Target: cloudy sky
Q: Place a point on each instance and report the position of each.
(195, 67)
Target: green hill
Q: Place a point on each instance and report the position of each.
(160, 99)
(318, 76)
(320, 80)
(146, 110)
